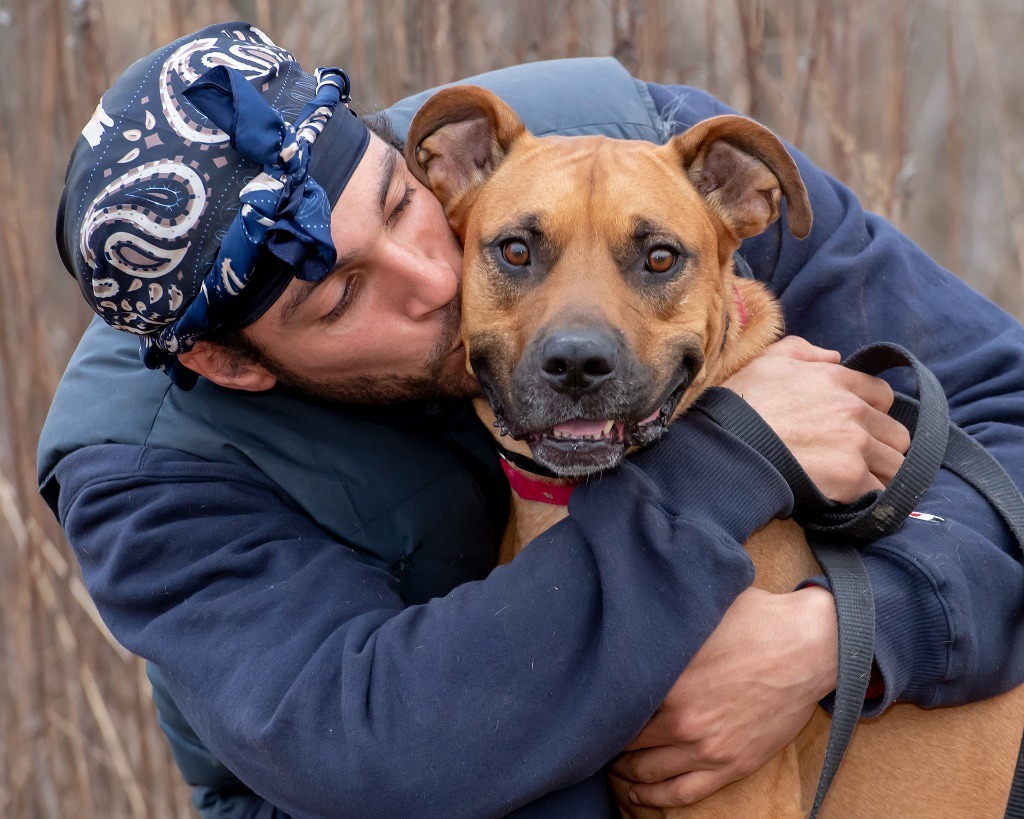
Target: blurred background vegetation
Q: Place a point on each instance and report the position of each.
(917, 104)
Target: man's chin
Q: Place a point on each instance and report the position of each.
(364, 390)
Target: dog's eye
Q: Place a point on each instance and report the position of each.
(660, 260)
(516, 253)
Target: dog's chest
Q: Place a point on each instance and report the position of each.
(527, 520)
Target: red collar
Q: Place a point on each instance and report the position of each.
(534, 488)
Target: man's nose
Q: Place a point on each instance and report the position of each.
(422, 284)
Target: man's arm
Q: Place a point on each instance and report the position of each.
(949, 593)
(319, 688)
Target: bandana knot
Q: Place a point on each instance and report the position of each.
(282, 228)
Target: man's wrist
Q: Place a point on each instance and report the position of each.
(875, 693)
(816, 609)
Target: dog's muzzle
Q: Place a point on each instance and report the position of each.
(581, 400)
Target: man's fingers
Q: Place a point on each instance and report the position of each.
(883, 461)
(679, 791)
(871, 389)
(653, 765)
(887, 431)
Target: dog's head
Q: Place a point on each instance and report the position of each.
(598, 294)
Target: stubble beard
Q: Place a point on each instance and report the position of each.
(437, 383)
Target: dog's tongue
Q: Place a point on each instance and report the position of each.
(580, 428)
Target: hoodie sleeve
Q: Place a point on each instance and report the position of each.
(301, 669)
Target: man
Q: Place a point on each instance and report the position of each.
(297, 570)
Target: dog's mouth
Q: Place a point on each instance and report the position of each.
(577, 447)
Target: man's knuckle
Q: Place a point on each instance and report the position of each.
(860, 411)
(684, 793)
(846, 463)
(859, 471)
(687, 727)
(862, 441)
(716, 751)
(644, 772)
(835, 376)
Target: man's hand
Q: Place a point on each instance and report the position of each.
(832, 419)
(745, 695)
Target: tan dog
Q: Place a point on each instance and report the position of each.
(599, 300)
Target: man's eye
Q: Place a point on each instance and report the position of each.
(402, 204)
(516, 253)
(660, 260)
(347, 295)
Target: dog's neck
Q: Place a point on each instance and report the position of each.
(754, 320)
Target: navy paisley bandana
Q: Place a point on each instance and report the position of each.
(192, 200)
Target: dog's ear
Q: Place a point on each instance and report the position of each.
(456, 140)
(743, 171)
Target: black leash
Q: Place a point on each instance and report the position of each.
(832, 529)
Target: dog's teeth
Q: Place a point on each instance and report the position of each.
(606, 432)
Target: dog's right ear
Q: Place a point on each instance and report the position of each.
(456, 140)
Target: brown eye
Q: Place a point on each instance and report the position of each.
(660, 260)
(516, 253)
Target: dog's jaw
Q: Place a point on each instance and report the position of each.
(574, 441)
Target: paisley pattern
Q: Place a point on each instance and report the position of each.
(169, 198)
(147, 214)
(139, 223)
(253, 58)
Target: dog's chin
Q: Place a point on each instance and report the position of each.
(576, 458)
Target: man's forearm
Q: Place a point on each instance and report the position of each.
(955, 584)
(546, 669)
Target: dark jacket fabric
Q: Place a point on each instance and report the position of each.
(312, 585)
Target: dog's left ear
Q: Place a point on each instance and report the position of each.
(455, 142)
(742, 170)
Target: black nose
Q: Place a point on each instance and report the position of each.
(579, 361)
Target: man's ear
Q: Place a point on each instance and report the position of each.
(227, 368)
(456, 141)
(742, 170)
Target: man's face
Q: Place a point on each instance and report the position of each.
(384, 325)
